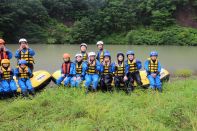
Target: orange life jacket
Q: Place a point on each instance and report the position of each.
(66, 68)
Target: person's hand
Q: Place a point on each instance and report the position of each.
(125, 78)
(78, 78)
(27, 46)
(74, 78)
(62, 75)
(4, 48)
(1, 71)
(20, 48)
(154, 75)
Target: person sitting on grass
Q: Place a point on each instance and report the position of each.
(119, 73)
(107, 69)
(153, 69)
(132, 67)
(91, 69)
(23, 74)
(67, 71)
(78, 64)
(7, 81)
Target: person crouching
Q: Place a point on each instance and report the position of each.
(91, 69)
(7, 82)
(23, 74)
(78, 64)
(67, 71)
(107, 70)
(153, 69)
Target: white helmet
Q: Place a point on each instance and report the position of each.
(84, 44)
(99, 43)
(22, 40)
(91, 54)
(78, 54)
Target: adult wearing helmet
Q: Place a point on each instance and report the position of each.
(153, 69)
(107, 69)
(90, 70)
(26, 53)
(7, 82)
(132, 67)
(101, 52)
(5, 53)
(83, 48)
(67, 71)
(23, 74)
(78, 64)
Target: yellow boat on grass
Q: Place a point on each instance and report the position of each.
(165, 75)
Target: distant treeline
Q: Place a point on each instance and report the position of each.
(76, 21)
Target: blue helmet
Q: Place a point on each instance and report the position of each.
(107, 54)
(22, 62)
(153, 53)
(130, 53)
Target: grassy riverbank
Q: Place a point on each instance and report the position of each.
(71, 109)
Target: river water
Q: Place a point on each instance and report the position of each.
(172, 58)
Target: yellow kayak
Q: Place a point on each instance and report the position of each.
(39, 80)
(165, 75)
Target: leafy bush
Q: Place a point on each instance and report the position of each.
(173, 35)
(183, 73)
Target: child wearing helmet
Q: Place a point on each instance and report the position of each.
(107, 69)
(90, 70)
(5, 53)
(68, 71)
(101, 52)
(119, 73)
(78, 64)
(153, 69)
(8, 84)
(83, 48)
(26, 53)
(23, 74)
(132, 67)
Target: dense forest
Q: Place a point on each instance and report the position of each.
(152, 22)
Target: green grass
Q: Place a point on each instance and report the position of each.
(70, 109)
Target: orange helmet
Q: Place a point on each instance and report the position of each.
(2, 42)
(66, 55)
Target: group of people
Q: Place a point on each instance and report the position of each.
(23, 70)
(99, 71)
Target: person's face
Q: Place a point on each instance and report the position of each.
(153, 58)
(79, 58)
(23, 44)
(120, 58)
(83, 49)
(130, 57)
(106, 59)
(92, 58)
(23, 66)
(5, 65)
(66, 59)
(100, 46)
